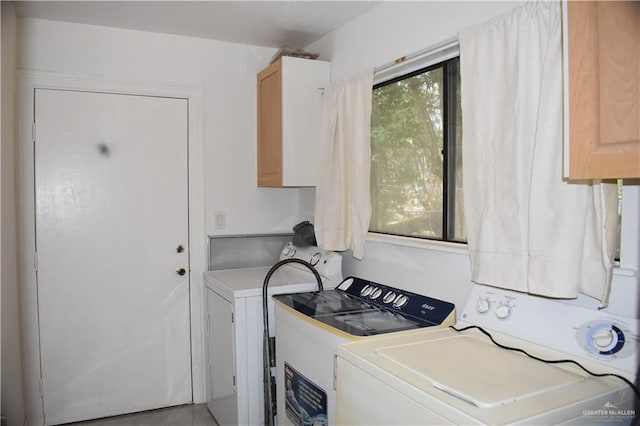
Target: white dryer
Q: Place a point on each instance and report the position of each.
(463, 377)
(235, 328)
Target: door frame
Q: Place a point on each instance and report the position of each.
(30, 81)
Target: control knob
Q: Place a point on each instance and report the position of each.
(401, 300)
(503, 311)
(375, 293)
(483, 305)
(604, 337)
(389, 297)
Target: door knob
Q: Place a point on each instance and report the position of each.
(181, 271)
(180, 248)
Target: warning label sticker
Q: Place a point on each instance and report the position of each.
(305, 402)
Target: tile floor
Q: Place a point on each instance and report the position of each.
(182, 415)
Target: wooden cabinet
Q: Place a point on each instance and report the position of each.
(289, 113)
(602, 47)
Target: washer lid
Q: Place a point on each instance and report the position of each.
(477, 371)
(350, 314)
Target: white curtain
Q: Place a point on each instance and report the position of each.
(527, 229)
(343, 204)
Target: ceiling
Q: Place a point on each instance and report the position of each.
(260, 23)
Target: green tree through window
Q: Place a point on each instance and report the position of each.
(416, 161)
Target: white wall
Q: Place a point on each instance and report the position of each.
(394, 29)
(227, 74)
(12, 400)
(384, 33)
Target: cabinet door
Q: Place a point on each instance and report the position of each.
(303, 85)
(604, 89)
(270, 125)
(222, 381)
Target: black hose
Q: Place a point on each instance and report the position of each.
(267, 356)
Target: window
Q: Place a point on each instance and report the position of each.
(416, 154)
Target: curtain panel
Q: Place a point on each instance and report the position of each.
(343, 204)
(527, 229)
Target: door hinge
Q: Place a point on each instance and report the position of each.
(208, 324)
(233, 317)
(33, 132)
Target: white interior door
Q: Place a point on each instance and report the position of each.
(111, 212)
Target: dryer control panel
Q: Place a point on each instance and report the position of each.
(327, 263)
(588, 334)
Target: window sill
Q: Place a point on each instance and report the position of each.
(456, 248)
(442, 246)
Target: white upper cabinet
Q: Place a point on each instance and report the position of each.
(290, 98)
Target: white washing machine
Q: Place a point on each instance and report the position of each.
(311, 325)
(462, 377)
(235, 328)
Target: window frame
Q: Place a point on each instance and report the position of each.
(449, 62)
